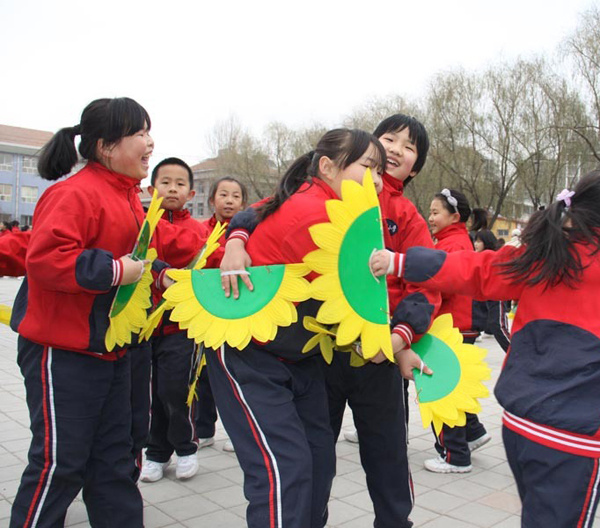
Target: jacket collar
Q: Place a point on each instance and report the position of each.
(451, 230)
(120, 181)
(393, 185)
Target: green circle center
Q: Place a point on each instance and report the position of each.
(366, 295)
(440, 358)
(207, 289)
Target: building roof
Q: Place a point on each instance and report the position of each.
(24, 136)
(205, 165)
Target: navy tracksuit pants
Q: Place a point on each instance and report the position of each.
(557, 489)
(275, 413)
(141, 366)
(172, 424)
(375, 394)
(206, 410)
(80, 412)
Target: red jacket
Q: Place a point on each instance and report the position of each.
(80, 225)
(412, 306)
(177, 239)
(214, 261)
(283, 238)
(455, 237)
(550, 381)
(13, 248)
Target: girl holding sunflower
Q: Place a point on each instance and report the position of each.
(272, 397)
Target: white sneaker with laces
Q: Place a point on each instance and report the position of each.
(186, 467)
(205, 442)
(481, 441)
(439, 465)
(153, 471)
(228, 446)
(351, 436)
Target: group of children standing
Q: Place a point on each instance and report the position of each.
(283, 408)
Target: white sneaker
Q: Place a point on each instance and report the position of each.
(228, 446)
(205, 442)
(153, 471)
(351, 436)
(439, 465)
(481, 441)
(186, 467)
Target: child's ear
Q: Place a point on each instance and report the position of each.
(327, 169)
(455, 218)
(151, 190)
(191, 194)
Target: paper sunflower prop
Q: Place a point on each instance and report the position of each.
(200, 305)
(325, 338)
(456, 382)
(199, 261)
(353, 297)
(132, 301)
(5, 313)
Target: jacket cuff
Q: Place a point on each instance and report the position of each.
(242, 234)
(158, 283)
(117, 272)
(396, 265)
(405, 332)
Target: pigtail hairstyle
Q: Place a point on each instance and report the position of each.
(462, 207)
(549, 256)
(479, 219)
(343, 146)
(108, 120)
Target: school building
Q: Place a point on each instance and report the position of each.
(20, 183)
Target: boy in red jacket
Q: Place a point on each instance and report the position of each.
(172, 425)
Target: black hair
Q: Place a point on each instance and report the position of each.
(549, 256)
(215, 185)
(479, 219)
(107, 119)
(416, 132)
(172, 161)
(462, 204)
(488, 238)
(342, 145)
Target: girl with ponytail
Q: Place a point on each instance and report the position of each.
(78, 394)
(271, 397)
(550, 382)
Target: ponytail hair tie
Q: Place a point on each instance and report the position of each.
(76, 130)
(450, 199)
(565, 196)
(310, 154)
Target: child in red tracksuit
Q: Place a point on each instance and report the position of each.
(448, 214)
(382, 428)
(13, 249)
(172, 421)
(77, 392)
(550, 382)
(227, 196)
(271, 397)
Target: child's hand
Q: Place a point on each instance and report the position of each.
(380, 262)
(132, 269)
(408, 360)
(233, 265)
(398, 344)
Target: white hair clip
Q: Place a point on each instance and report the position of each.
(451, 200)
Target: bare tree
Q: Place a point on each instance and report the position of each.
(583, 47)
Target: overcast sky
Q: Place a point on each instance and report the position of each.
(192, 63)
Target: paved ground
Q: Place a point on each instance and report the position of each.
(485, 498)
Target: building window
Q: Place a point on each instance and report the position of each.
(5, 192)
(30, 164)
(200, 187)
(29, 194)
(502, 232)
(6, 162)
(26, 220)
(200, 209)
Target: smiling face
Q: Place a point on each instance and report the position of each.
(355, 171)
(440, 217)
(173, 185)
(401, 154)
(228, 200)
(130, 155)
